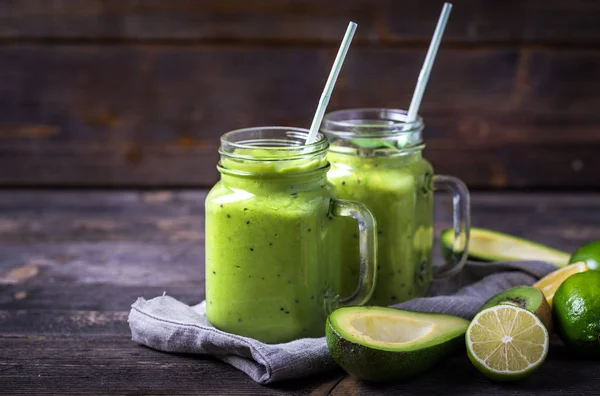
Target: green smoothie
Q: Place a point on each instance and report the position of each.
(398, 189)
(272, 256)
(376, 159)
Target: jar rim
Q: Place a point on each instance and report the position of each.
(275, 143)
(351, 122)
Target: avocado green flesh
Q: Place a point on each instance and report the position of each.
(488, 245)
(386, 344)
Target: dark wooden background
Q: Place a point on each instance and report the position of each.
(117, 93)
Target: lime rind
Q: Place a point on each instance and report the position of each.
(505, 329)
(575, 311)
(588, 253)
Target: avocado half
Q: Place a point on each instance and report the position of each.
(386, 344)
(488, 245)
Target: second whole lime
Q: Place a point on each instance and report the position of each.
(589, 254)
(576, 312)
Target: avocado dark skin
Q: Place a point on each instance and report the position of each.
(359, 362)
(391, 358)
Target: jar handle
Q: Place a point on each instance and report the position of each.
(368, 253)
(461, 214)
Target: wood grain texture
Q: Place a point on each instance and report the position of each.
(152, 115)
(110, 363)
(63, 326)
(381, 21)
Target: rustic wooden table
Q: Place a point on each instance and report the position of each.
(71, 263)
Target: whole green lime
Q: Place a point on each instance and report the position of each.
(576, 312)
(588, 253)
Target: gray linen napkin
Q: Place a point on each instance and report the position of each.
(168, 325)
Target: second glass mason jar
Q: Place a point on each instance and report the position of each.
(376, 158)
(273, 265)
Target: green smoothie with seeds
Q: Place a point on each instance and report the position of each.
(376, 159)
(398, 190)
(273, 253)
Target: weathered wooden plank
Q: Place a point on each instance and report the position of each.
(183, 98)
(515, 21)
(42, 294)
(108, 164)
(554, 81)
(381, 21)
(541, 165)
(521, 166)
(38, 217)
(58, 221)
(82, 362)
(56, 324)
(151, 116)
(118, 263)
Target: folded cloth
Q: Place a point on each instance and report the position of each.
(169, 325)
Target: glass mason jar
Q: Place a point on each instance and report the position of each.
(376, 159)
(273, 253)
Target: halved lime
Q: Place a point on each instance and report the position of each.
(507, 343)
